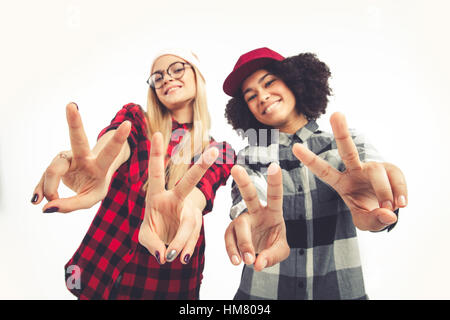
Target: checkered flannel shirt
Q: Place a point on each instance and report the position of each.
(110, 263)
(324, 261)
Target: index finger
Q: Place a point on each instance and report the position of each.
(318, 166)
(195, 173)
(156, 179)
(346, 147)
(78, 139)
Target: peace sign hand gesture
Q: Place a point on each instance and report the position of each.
(86, 172)
(261, 229)
(371, 190)
(173, 217)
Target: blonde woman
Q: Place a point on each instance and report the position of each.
(147, 239)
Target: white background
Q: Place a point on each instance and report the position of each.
(391, 71)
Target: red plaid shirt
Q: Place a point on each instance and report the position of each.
(110, 263)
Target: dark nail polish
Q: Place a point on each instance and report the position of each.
(157, 257)
(51, 209)
(35, 198)
(187, 258)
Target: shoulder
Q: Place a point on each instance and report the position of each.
(226, 151)
(134, 109)
(321, 141)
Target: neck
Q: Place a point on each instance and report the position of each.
(184, 114)
(293, 125)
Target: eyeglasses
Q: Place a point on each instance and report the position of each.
(175, 70)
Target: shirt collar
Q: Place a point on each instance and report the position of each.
(177, 125)
(302, 134)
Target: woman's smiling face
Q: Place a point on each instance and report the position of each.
(175, 93)
(270, 100)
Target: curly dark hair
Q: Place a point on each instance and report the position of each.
(305, 75)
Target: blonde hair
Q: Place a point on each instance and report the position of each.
(193, 142)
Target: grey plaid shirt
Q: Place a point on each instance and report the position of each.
(324, 261)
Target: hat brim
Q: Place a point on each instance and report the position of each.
(233, 82)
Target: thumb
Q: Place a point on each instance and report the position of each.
(276, 253)
(65, 205)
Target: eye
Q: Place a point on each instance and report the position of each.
(268, 83)
(178, 70)
(253, 96)
(157, 80)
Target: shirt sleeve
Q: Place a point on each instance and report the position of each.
(217, 174)
(137, 140)
(258, 179)
(366, 150)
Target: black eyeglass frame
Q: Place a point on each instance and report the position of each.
(151, 83)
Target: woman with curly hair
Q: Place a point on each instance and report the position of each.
(294, 221)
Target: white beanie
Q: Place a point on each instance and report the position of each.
(185, 54)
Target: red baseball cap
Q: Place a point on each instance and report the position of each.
(247, 64)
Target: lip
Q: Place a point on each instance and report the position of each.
(269, 105)
(166, 91)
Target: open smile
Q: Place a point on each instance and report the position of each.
(171, 89)
(271, 107)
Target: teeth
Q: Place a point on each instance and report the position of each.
(270, 107)
(172, 89)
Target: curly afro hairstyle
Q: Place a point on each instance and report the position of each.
(305, 75)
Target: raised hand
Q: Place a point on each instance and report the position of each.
(86, 172)
(371, 190)
(173, 217)
(261, 229)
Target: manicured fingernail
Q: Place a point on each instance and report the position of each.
(387, 220)
(35, 197)
(402, 201)
(187, 258)
(272, 169)
(387, 205)
(171, 255)
(235, 259)
(157, 257)
(248, 258)
(211, 156)
(51, 209)
(264, 264)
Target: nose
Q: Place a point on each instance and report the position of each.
(167, 77)
(264, 96)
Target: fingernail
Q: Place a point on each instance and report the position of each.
(157, 257)
(235, 259)
(35, 197)
(387, 220)
(171, 255)
(264, 264)
(187, 258)
(248, 258)
(210, 157)
(402, 201)
(51, 209)
(272, 169)
(387, 205)
(76, 105)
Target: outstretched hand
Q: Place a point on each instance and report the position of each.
(371, 190)
(261, 229)
(172, 216)
(83, 171)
